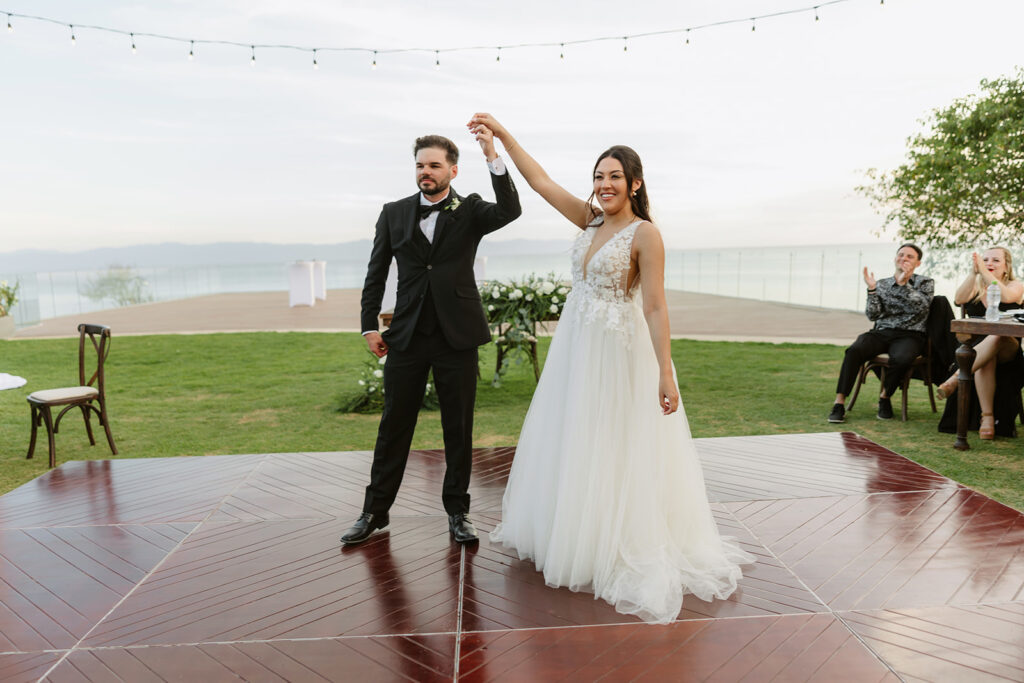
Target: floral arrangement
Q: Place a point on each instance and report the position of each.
(515, 307)
(370, 397)
(8, 297)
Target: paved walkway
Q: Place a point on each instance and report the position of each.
(692, 316)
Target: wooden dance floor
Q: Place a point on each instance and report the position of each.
(869, 568)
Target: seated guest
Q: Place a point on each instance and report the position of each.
(899, 306)
(995, 265)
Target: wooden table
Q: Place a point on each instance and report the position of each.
(965, 356)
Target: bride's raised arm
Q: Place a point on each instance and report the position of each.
(575, 209)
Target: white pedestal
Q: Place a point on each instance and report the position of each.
(300, 284)
(320, 280)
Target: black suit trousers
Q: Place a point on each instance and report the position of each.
(405, 380)
(903, 346)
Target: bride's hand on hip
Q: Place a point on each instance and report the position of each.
(668, 396)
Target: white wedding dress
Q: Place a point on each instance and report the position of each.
(605, 493)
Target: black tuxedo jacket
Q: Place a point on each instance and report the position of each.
(446, 265)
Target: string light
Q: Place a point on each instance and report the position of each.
(191, 49)
(315, 65)
(685, 31)
(374, 65)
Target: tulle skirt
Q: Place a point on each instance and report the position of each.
(605, 493)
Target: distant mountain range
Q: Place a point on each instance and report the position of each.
(229, 253)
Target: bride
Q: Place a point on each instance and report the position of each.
(606, 492)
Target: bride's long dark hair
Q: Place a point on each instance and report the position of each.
(633, 170)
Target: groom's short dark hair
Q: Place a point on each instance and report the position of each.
(451, 152)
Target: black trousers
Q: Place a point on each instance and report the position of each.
(903, 346)
(405, 380)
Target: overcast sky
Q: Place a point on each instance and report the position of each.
(748, 138)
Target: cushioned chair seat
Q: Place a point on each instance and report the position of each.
(63, 395)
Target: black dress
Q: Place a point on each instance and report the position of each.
(1009, 381)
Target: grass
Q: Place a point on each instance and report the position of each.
(179, 395)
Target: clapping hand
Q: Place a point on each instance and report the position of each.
(979, 265)
(869, 279)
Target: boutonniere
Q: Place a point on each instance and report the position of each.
(453, 204)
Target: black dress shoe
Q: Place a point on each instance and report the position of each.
(462, 528)
(838, 414)
(884, 409)
(364, 526)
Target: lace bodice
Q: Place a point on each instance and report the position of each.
(599, 286)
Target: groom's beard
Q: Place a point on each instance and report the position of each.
(430, 187)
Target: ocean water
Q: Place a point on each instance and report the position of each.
(829, 277)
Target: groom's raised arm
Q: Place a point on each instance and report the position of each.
(489, 217)
(376, 275)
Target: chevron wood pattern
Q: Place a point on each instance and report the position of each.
(868, 566)
(963, 643)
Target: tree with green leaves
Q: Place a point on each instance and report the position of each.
(962, 184)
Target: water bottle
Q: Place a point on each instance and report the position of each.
(994, 294)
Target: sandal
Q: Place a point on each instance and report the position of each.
(947, 388)
(987, 429)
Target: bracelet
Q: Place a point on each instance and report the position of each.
(509, 149)
(872, 291)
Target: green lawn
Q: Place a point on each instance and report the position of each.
(276, 392)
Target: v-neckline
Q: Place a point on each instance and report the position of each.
(586, 261)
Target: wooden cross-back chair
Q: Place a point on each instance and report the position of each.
(87, 396)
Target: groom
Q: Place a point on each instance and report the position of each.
(438, 324)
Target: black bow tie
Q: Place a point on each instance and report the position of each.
(427, 209)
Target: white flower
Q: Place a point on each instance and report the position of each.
(516, 294)
(378, 373)
(496, 293)
(383, 360)
(563, 290)
(490, 307)
(372, 388)
(504, 289)
(530, 338)
(362, 383)
(428, 386)
(529, 297)
(554, 299)
(547, 287)
(554, 308)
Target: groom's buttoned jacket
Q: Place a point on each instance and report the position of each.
(444, 266)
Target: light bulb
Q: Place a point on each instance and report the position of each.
(132, 35)
(315, 65)
(191, 47)
(561, 47)
(437, 60)
(10, 29)
(373, 65)
(72, 33)
(252, 62)
(753, 25)
(498, 58)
